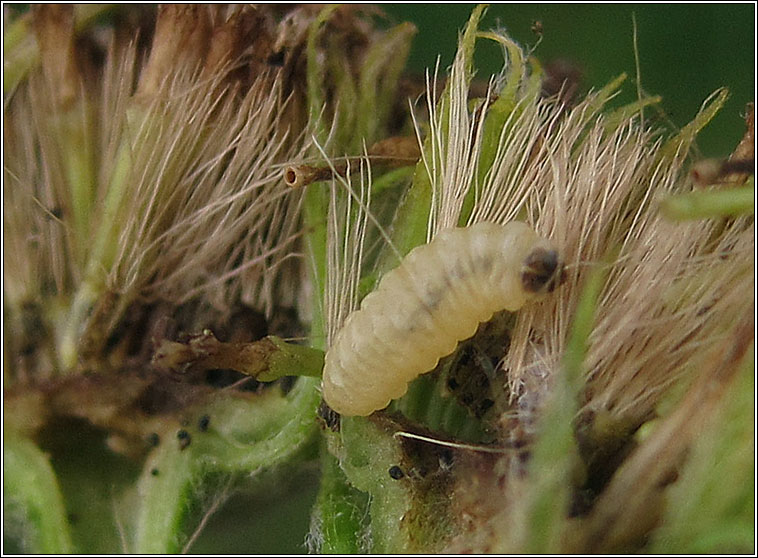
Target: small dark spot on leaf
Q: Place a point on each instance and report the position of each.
(184, 439)
(396, 472)
(203, 423)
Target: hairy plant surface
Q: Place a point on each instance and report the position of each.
(197, 198)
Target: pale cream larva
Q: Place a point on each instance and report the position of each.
(421, 310)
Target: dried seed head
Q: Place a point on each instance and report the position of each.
(590, 182)
(54, 27)
(180, 43)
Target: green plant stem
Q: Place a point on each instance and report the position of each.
(294, 360)
(339, 516)
(243, 438)
(315, 209)
(369, 452)
(33, 497)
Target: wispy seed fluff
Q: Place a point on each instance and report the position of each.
(155, 180)
(590, 179)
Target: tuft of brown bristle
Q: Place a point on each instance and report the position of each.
(672, 289)
(54, 27)
(180, 41)
(631, 505)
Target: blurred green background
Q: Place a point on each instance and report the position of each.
(686, 51)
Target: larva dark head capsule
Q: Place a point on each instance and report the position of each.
(542, 271)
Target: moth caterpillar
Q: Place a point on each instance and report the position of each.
(435, 298)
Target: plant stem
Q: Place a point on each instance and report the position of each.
(710, 203)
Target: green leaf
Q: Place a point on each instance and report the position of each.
(680, 144)
(501, 109)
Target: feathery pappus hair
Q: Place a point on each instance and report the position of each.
(591, 180)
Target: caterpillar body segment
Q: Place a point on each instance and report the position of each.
(436, 298)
